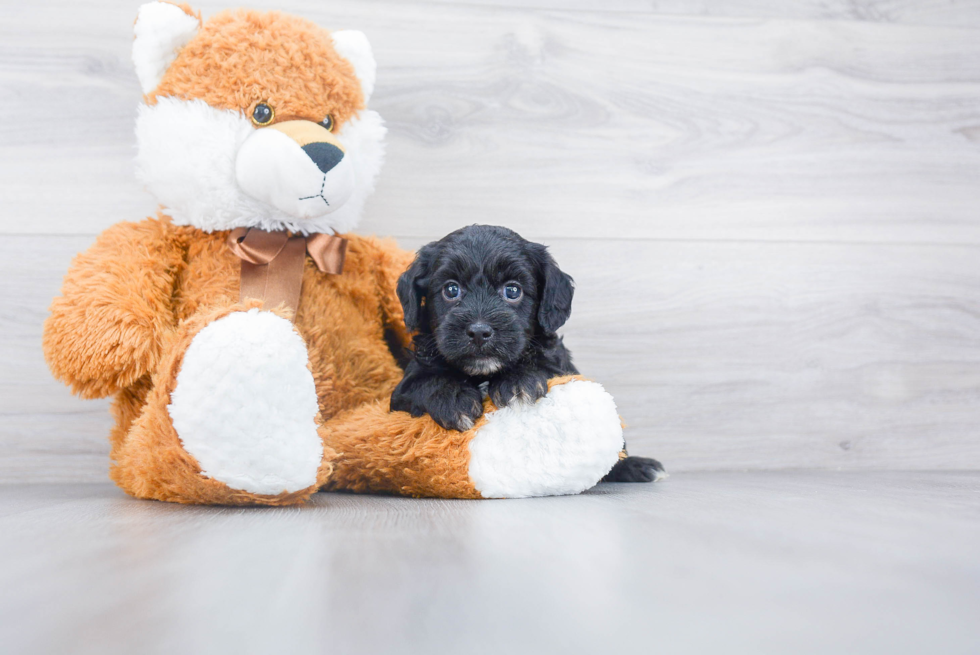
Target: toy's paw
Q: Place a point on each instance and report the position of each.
(245, 404)
(563, 444)
(636, 469)
(522, 385)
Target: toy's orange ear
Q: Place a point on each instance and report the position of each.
(161, 30)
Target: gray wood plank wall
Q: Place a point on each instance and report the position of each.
(771, 209)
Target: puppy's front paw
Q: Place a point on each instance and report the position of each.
(457, 408)
(527, 385)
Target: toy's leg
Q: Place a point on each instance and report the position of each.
(231, 418)
(563, 444)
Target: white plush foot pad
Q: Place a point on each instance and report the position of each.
(245, 404)
(563, 444)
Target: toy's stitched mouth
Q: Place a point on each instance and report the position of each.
(320, 195)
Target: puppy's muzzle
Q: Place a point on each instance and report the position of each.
(479, 333)
(298, 167)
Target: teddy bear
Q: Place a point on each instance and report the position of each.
(249, 338)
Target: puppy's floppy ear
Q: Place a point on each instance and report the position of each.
(411, 287)
(555, 305)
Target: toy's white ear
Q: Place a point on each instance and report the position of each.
(353, 46)
(161, 30)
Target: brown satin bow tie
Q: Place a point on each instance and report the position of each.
(272, 262)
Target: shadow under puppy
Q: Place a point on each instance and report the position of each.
(485, 306)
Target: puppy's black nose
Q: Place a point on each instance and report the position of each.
(479, 333)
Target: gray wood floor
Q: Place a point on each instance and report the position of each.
(761, 562)
(770, 208)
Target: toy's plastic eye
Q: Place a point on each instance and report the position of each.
(263, 114)
(513, 291)
(327, 123)
(451, 290)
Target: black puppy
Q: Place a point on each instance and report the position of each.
(485, 306)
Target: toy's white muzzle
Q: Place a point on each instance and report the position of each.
(297, 166)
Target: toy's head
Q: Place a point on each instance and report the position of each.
(255, 120)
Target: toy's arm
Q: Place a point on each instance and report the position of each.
(106, 329)
(392, 261)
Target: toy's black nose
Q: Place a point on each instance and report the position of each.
(480, 333)
(324, 155)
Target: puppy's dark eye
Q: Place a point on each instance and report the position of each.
(513, 291)
(451, 290)
(263, 114)
(327, 123)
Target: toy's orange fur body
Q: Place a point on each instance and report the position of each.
(169, 282)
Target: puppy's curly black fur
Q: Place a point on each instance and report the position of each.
(485, 306)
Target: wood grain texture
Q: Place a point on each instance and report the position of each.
(562, 122)
(770, 208)
(954, 13)
(759, 563)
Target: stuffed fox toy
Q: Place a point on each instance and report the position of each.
(249, 340)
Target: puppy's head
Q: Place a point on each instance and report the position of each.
(483, 293)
